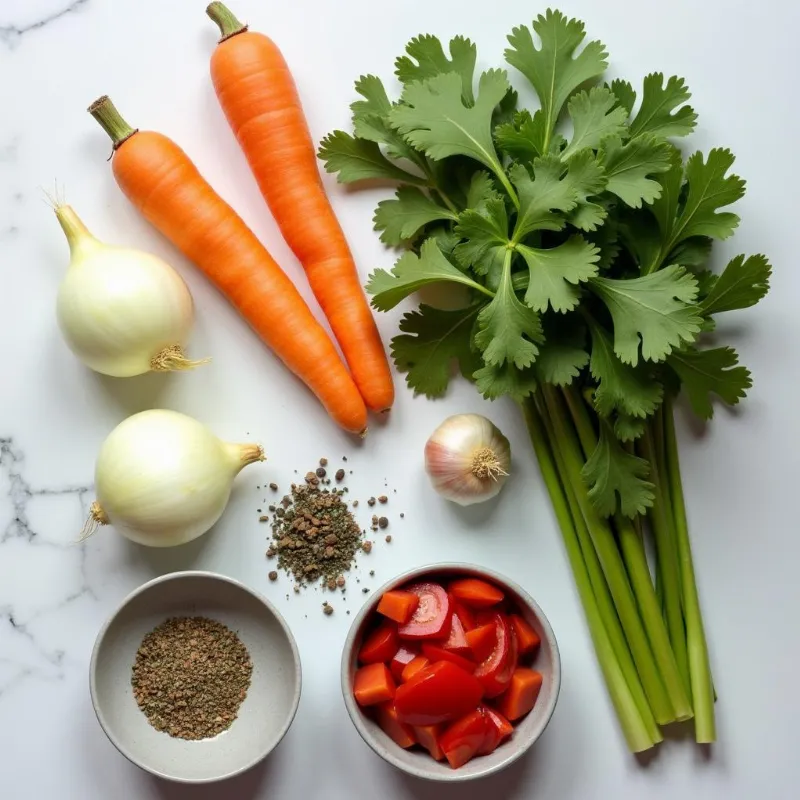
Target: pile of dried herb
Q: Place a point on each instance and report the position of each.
(190, 676)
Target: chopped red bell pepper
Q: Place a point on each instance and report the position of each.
(380, 645)
(462, 740)
(438, 693)
(435, 652)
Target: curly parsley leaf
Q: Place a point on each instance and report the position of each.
(356, 159)
(508, 330)
(433, 117)
(556, 273)
(426, 59)
(505, 380)
(611, 471)
(621, 387)
(431, 340)
(707, 372)
(654, 311)
(595, 115)
(411, 272)
(553, 69)
(657, 114)
(485, 233)
(402, 218)
(629, 166)
(743, 282)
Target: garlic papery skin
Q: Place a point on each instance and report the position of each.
(163, 478)
(122, 312)
(468, 459)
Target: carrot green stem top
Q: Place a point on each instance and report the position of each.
(111, 121)
(225, 18)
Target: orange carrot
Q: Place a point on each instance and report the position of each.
(482, 641)
(527, 638)
(428, 737)
(259, 97)
(398, 605)
(413, 667)
(475, 593)
(521, 694)
(165, 186)
(373, 684)
(399, 732)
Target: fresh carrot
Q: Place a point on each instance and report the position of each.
(475, 593)
(527, 638)
(398, 605)
(373, 684)
(413, 667)
(259, 97)
(399, 732)
(520, 697)
(165, 186)
(428, 737)
(482, 641)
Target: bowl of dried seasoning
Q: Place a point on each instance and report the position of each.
(195, 678)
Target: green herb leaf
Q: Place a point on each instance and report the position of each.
(402, 218)
(432, 338)
(595, 115)
(433, 117)
(624, 94)
(508, 330)
(556, 273)
(653, 311)
(707, 372)
(359, 159)
(485, 230)
(628, 167)
(426, 59)
(611, 471)
(586, 176)
(543, 200)
(411, 272)
(741, 285)
(554, 70)
(523, 138)
(628, 428)
(495, 381)
(692, 254)
(631, 390)
(480, 189)
(563, 354)
(658, 104)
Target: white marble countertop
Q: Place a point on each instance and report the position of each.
(56, 56)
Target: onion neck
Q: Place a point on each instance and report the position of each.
(79, 238)
(228, 24)
(244, 454)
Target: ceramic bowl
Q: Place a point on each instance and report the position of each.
(416, 761)
(264, 716)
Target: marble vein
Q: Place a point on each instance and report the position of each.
(10, 35)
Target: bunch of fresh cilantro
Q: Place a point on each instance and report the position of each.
(580, 238)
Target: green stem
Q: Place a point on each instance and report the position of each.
(635, 731)
(605, 604)
(111, 121)
(433, 184)
(225, 19)
(668, 562)
(659, 446)
(580, 416)
(611, 562)
(699, 669)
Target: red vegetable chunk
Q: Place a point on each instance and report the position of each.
(428, 737)
(457, 639)
(527, 638)
(462, 740)
(373, 684)
(520, 697)
(464, 614)
(431, 620)
(438, 693)
(498, 730)
(396, 730)
(398, 605)
(495, 671)
(435, 652)
(475, 593)
(402, 658)
(413, 667)
(481, 641)
(380, 645)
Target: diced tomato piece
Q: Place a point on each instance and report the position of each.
(465, 615)
(431, 620)
(413, 667)
(498, 730)
(399, 732)
(398, 605)
(527, 638)
(373, 684)
(435, 652)
(475, 593)
(462, 740)
(495, 671)
(438, 693)
(401, 659)
(481, 641)
(457, 638)
(428, 737)
(380, 645)
(520, 697)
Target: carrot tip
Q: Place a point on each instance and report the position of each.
(363, 434)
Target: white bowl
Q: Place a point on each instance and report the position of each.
(264, 716)
(526, 731)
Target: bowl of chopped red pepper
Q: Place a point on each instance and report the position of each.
(451, 672)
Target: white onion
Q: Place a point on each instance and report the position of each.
(163, 479)
(122, 312)
(468, 459)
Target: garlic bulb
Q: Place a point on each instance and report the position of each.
(122, 312)
(467, 459)
(163, 479)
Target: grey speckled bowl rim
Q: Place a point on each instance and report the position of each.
(355, 712)
(171, 576)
